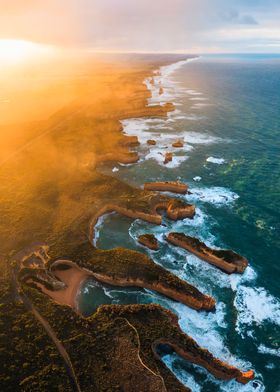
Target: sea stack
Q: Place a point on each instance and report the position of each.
(178, 144)
(149, 240)
(168, 157)
(226, 260)
(167, 186)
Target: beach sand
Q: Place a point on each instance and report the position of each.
(73, 278)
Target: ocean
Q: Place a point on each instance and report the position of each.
(228, 114)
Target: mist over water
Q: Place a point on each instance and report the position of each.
(227, 113)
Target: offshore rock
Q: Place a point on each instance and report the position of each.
(149, 240)
(167, 186)
(168, 157)
(226, 260)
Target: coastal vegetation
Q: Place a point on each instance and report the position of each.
(53, 192)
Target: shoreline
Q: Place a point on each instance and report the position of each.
(120, 267)
(74, 278)
(157, 83)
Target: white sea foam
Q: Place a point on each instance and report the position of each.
(200, 105)
(197, 178)
(218, 161)
(198, 99)
(255, 305)
(193, 92)
(248, 276)
(115, 169)
(204, 276)
(162, 87)
(158, 155)
(176, 365)
(213, 195)
(190, 117)
(201, 138)
(98, 226)
(146, 129)
(182, 375)
(267, 350)
(202, 326)
(135, 127)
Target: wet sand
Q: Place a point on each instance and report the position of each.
(73, 278)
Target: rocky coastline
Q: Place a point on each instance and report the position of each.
(59, 204)
(167, 186)
(149, 240)
(226, 260)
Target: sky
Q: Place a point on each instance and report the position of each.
(189, 26)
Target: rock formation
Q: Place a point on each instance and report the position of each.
(159, 327)
(167, 186)
(178, 144)
(168, 157)
(125, 158)
(177, 210)
(57, 204)
(151, 142)
(130, 141)
(119, 267)
(149, 240)
(226, 260)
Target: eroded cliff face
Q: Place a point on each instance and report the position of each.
(149, 240)
(52, 195)
(226, 260)
(167, 186)
(117, 267)
(119, 346)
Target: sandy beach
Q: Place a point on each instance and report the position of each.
(73, 278)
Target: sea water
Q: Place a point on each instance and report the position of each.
(228, 115)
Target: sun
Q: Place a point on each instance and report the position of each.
(14, 51)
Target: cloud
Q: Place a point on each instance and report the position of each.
(233, 16)
(142, 25)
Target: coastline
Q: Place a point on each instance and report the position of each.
(74, 278)
(162, 92)
(82, 205)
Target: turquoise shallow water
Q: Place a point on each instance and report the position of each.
(228, 113)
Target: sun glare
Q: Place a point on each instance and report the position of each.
(13, 51)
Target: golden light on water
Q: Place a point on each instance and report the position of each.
(14, 52)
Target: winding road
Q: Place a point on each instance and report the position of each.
(60, 348)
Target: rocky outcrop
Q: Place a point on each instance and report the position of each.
(165, 284)
(160, 91)
(130, 141)
(226, 260)
(153, 111)
(118, 267)
(158, 327)
(151, 142)
(177, 209)
(41, 276)
(178, 144)
(149, 240)
(55, 204)
(169, 107)
(167, 186)
(168, 157)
